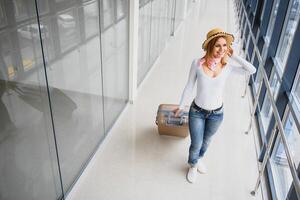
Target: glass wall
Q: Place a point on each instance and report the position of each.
(288, 31)
(74, 80)
(266, 110)
(280, 61)
(156, 24)
(114, 40)
(144, 40)
(179, 12)
(28, 162)
(282, 175)
(63, 83)
(272, 20)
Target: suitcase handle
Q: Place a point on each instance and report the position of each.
(171, 120)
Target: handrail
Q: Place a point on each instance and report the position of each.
(278, 123)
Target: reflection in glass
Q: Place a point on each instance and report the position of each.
(68, 29)
(288, 32)
(144, 41)
(47, 36)
(2, 15)
(107, 13)
(163, 25)
(189, 5)
(154, 30)
(154, 47)
(23, 10)
(267, 111)
(297, 91)
(74, 77)
(28, 164)
(8, 67)
(121, 8)
(29, 41)
(20, 10)
(179, 12)
(272, 19)
(281, 172)
(43, 6)
(114, 41)
(91, 16)
(258, 75)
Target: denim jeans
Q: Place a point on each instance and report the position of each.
(203, 124)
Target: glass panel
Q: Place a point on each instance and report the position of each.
(48, 40)
(288, 33)
(143, 2)
(43, 6)
(267, 111)
(297, 91)
(121, 8)
(162, 25)
(258, 75)
(2, 15)
(91, 16)
(28, 164)
(154, 31)
(272, 19)
(279, 164)
(68, 29)
(189, 5)
(107, 12)
(29, 42)
(154, 48)
(144, 41)
(115, 65)
(179, 12)
(74, 77)
(23, 10)
(169, 17)
(8, 58)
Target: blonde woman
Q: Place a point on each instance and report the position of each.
(206, 111)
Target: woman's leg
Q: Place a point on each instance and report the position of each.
(196, 127)
(212, 123)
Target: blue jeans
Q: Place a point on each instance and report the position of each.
(203, 124)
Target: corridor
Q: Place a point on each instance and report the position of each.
(134, 162)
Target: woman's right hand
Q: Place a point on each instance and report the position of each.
(230, 51)
(177, 112)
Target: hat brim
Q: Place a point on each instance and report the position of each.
(229, 37)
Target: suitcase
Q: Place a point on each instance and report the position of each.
(168, 124)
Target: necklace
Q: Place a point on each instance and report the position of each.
(212, 66)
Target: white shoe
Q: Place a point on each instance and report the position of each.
(201, 168)
(191, 175)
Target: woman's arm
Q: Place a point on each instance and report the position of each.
(241, 65)
(188, 90)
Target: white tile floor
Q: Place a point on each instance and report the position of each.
(134, 162)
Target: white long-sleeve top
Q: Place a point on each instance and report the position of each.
(209, 94)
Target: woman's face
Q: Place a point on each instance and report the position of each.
(220, 48)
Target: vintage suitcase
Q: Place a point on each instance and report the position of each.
(168, 124)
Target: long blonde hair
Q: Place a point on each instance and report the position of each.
(209, 51)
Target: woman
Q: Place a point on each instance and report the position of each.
(206, 111)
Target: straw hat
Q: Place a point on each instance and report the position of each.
(216, 32)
